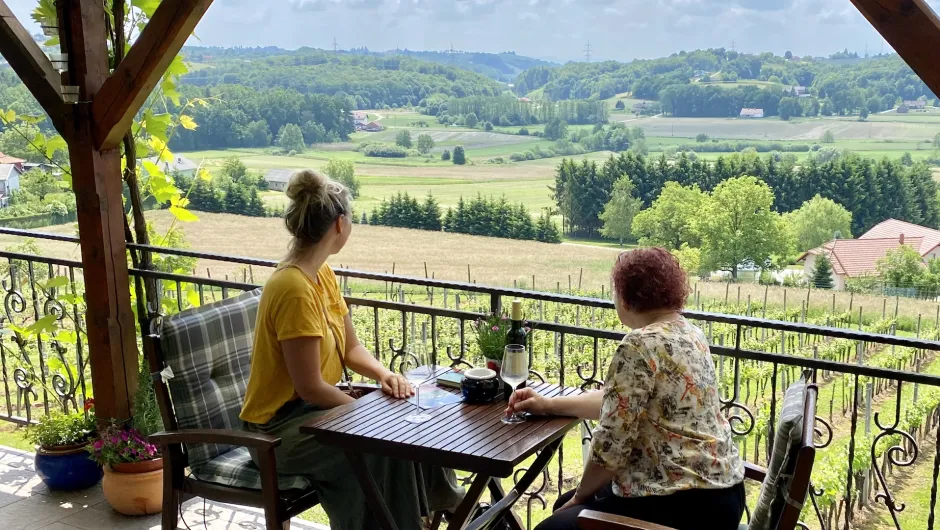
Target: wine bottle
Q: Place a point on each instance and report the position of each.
(517, 333)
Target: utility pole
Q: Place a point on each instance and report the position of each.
(335, 45)
(732, 44)
(587, 51)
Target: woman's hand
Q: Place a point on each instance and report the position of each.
(396, 386)
(528, 400)
(574, 501)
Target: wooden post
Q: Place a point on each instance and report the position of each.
(96, 179)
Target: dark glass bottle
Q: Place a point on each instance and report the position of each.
(515, 336)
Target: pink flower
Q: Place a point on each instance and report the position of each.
(495, 328)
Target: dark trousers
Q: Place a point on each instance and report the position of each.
(685, 510)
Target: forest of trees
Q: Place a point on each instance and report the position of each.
(480, 216)
(872, 190)
(369, 81)
(838, 88)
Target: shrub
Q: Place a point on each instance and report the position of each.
(460, 158)
(445, 155)
(380, 150)
(517, 157)
(523, 132)
(701, 137)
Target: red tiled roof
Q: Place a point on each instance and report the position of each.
(893, 228)
(859, 257)
(4, 159)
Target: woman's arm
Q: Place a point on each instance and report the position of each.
(593, 479)
(359, 360)
(302, 358)
(586, 405)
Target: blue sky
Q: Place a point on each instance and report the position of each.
(552, 29)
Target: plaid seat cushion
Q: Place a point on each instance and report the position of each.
(787, 439)
(236, 469)
(208, 348)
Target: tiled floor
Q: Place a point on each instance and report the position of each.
(26, 504)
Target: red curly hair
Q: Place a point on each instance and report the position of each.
(650, 279)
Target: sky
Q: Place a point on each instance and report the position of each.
(556, 30)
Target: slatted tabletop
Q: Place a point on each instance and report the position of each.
(460, 436)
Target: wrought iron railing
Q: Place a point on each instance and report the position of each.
(879, 454)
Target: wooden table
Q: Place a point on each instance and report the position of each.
(460, 436)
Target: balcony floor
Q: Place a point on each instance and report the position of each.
(27, 504)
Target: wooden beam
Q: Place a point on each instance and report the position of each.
(96, 179)
(128, 88)
(912, 28)
(31, 65)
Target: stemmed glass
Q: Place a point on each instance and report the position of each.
(422, 374)
(514, 372)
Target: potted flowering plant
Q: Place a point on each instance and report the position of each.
(61, 459)
(133, 470)
(491, 339)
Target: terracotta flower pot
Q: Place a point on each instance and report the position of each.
(135, 488)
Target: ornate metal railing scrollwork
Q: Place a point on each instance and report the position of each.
(900, 455)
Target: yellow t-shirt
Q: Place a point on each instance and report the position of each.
(293, 306)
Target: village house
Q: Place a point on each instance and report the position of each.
(179, 165)
(9, 180)
(277, 179)
(752, 113)
(856, 258)
(916, 104)
(373, 127)
(360, 119)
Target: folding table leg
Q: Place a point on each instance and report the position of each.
(469, 503)
(505, 504)
(498, 494)
(371, 490)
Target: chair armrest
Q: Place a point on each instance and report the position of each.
(754, 472)
(591, 520)
(216, 436)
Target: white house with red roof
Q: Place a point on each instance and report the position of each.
(854, 258)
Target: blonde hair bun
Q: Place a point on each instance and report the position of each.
(315, 203)
(307, 183)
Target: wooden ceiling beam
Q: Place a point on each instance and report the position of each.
(31, 65)
(125, 92)
(913, 29)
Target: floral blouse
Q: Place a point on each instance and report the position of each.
(661, 429)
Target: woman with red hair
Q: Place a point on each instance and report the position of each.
(662, 451)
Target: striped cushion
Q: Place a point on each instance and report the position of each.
(236, 469)
(208, 348)
(787, 439)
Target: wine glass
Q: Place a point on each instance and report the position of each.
(421, 374)
(514, 372)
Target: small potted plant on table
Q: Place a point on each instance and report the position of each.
(491, 339)
(61, 459)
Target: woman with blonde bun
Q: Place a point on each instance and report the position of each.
(303, 336)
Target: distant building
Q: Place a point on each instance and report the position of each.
(278, 179)
(179, 164)
(752, 113)
(798, 90)
(360, 119)
(699, 73)
(12, 160)
(854, 258)
(917, 104)
(525, 100)
(9, 181)
(373, 127)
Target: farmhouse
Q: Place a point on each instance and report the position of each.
(916, 104)
(277, 179)
(798, 90)
(360, 119)
(752, 113)
(9, 181)
(179, 164)
(373, 127)
(12, 160)
(854, 258)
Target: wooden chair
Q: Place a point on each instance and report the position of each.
(199, 363)
(784, 503)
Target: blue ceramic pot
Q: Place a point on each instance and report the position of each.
(67, 469)
(480, 385)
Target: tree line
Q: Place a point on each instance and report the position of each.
(368, 81)
(872, 190)
(479, 216)
(234, 191)
(682, 80)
